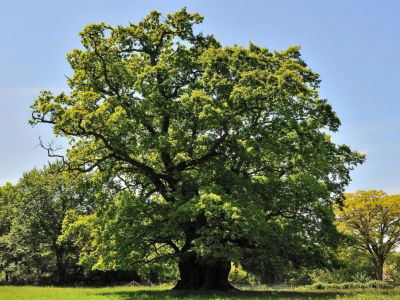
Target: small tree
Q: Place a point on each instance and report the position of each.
(373, 219)
(217, 149)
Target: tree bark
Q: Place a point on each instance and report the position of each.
(199, 274)
(61, 275)
(379, 261)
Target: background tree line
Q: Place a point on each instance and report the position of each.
(50, 222)
(31, 220)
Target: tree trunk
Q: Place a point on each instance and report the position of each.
(197, 274)
(379, 261)
(61, 275)
(268, 276)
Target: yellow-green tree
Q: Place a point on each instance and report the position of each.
(373, 219)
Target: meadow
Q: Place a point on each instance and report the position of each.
(164, 292)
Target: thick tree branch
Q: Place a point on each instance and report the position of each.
(212, 152)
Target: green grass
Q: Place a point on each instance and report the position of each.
(163, 292)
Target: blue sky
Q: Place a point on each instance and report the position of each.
(353, 44)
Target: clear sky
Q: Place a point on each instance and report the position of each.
(353, 44)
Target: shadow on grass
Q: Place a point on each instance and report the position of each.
(141, 295)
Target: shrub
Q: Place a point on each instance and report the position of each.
(361, 277)
(379, 284)
(372, 284)
(239, 276)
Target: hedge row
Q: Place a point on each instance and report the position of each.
(372, 284)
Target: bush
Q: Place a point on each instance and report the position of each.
(239, 276)
(372, 284)
(379, 284)
(338, 276)
(361, 277)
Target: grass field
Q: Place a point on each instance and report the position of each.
(163, 292)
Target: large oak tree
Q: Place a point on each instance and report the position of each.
(218, 149)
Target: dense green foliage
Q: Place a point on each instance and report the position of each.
(32, 215)
(392, 266)
(35, 209)
(210, 153)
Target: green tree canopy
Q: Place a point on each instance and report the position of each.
(35, 208)
(7, 212)
(214, 149)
